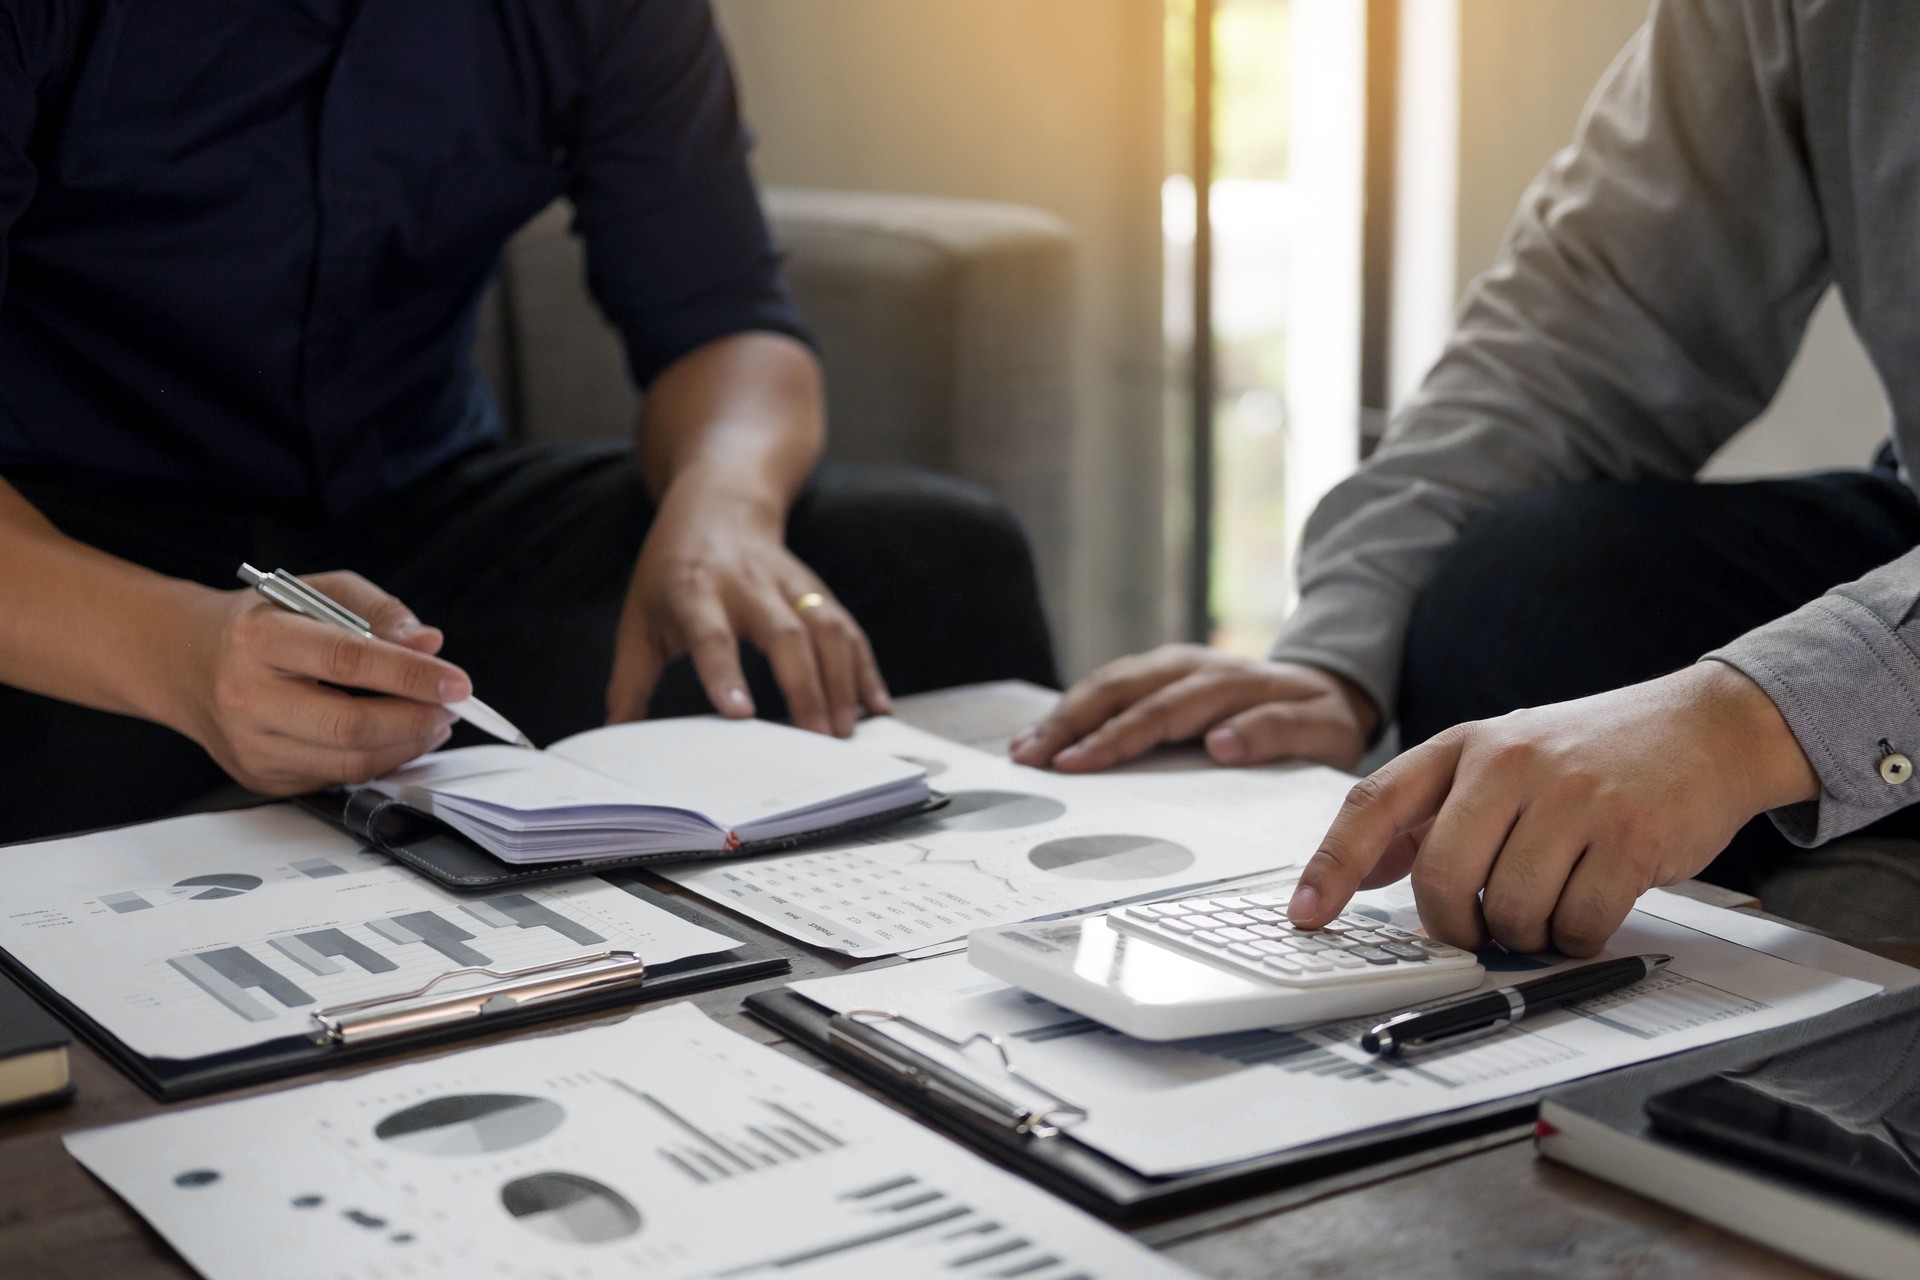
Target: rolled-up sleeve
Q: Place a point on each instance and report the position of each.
(678, 250)
(1652, 290)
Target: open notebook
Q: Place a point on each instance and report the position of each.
(694, 785)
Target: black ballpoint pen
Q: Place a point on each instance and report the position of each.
(1484, 1012)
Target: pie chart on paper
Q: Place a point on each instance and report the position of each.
(219, 885)
(470, 1124)
(570, 1208)
(995, 811)
(1113, 857)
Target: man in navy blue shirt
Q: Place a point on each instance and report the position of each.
(244, 248)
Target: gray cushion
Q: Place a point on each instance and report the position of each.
(558, 365)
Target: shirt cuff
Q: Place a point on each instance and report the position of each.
(1846, 684)
(1355, 633)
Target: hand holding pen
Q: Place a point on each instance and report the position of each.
(295, 596)
(262, 688)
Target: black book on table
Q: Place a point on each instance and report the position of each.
(1849, 1079)
(34, 1069)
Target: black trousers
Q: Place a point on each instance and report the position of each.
(522, 556)
(1572, 591)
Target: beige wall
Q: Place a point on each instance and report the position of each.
(1527, 68)
(1055, 105)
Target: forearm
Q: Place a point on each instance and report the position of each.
(740, 420)
(729, 436)
(83, 626)
(1650, 294)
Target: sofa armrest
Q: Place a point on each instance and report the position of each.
(946, 330)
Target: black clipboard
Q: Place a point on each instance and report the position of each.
(447, 857)
(171, 1079)
(1094, 1181)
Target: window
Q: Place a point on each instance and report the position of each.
(1282, 316)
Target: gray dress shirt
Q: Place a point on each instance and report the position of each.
(1654, 286)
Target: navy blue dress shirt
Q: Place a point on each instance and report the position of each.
(245, 240)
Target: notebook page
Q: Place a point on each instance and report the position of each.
(507, 777)
(737, 772)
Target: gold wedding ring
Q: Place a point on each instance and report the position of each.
(811, 600)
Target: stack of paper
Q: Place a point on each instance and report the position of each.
(663, 1147)
(1018, 844)
(223, 931)
(1164, 1109)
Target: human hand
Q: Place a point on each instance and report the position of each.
(711, 575)
(1250, 710)
(1542, 827)
(254, 688)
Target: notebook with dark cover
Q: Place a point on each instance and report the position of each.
(1865, 1062)
(449, 858)
(170, 1079)
(34, 1070)
(674, 787)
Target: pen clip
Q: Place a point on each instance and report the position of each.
(295, 596)
(855, 1030)
(325, 603)
(1388, 1038)
(398, 1013)
(1448, 1039)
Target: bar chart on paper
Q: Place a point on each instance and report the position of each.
(246, 981)
(781, 1136)
(212, 933)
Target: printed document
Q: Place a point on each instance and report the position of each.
(1193, 1104)
(223, 930)
(1019, 844)
(665, 1146)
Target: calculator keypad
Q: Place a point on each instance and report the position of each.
(1252, 934)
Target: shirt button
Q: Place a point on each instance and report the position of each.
(1895, 769)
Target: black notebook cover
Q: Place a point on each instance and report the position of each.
(26, 1028)
(444, 855)
(1106, 1187)
(169, 1079)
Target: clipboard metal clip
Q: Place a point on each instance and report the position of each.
(856, 1031)
(511, 989)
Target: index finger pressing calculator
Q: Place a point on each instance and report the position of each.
(1205, 966)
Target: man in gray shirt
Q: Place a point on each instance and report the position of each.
(1530, 534)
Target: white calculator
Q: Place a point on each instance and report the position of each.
(1204, 966)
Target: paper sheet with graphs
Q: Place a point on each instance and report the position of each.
(1193, 1104)
(665, 1146)
(203, 934)
(1018, 844)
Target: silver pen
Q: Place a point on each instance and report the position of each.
(287, 591)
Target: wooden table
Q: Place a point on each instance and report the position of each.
(1486, 1209)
